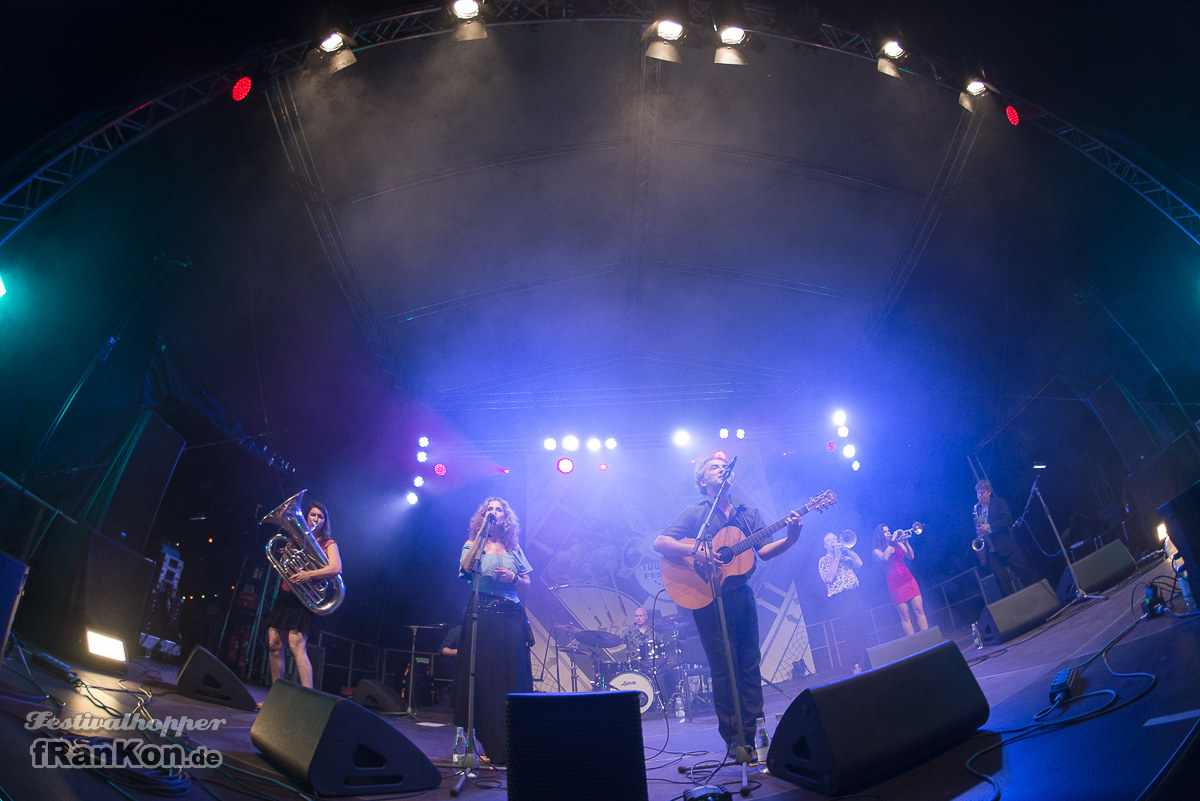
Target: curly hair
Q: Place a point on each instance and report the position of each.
(512, 524)
(880, 543)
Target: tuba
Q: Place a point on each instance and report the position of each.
(296, 549)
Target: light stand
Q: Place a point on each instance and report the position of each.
(471, 758)
(1080, 595)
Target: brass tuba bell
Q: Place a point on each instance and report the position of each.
(296, 549)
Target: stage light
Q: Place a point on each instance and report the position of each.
(439, 469)
(892, 49)
(465, 9)
(976, 87)
(2, 289)
(411, 498)
(241, 88)
(105, 647)
(848, 451)
(741, 433)
(422, 442)
(570, 442)
(602, 467)
(723, 433)
(830, 446)
(419, 482)
(549, 443)
(669, 27)
(1013, 116)
(333, 42)
(593, 444)
(422, 457)
(843, 431)
(565, 465)
(681, 438)
(839, 418)
(611, 443)
(334, 52)
(855, 465)
(729, 21)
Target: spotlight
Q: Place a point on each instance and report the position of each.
(611, 443)
(723, 433)
(419, 482)
(855, 465)
(467, 17)
(741, 433)
(848, 451)
(976, 87)
(105, 649)
(570, 442)
(843, 431)
(241, 89)
(892, 49)
(334, 52)
(439, 469)
(667, 30)
(333, 42)
(422, 457)
(565, 465)
(465, 9)
(549, 443)
(411, 498)
(422, 442)
(602, 467)
(681, 438)
(729, 22)
(839, 418)
(593, 444)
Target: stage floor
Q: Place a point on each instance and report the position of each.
(1134, 737)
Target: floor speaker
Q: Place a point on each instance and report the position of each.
(1181, 515)
(337, 747)
(1100, 570)
(841, 737)
(206, 678)
(1017, 613)
(905, 646)
(583, 746)
(378, 696)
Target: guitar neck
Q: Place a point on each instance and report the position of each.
(763, 535)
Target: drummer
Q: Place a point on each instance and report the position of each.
(645, 645)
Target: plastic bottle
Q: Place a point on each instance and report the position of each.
(1185, 587)
(680, 713)
(460, 747)
(762, 743)
(978, 640)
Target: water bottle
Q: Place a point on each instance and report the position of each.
(680, 714)
(975, 637)
(460, 747)
(762, 743)
(1185, 587)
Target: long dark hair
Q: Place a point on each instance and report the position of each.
(321, 533)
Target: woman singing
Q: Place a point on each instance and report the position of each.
(892, 552)
(501, 664)
(289, 613)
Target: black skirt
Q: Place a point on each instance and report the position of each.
(289, 614)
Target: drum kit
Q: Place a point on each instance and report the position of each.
(655, 669)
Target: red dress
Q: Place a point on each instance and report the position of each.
(901, 584)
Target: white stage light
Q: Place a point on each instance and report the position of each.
(570, 442)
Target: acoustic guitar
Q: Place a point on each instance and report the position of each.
(690, 585)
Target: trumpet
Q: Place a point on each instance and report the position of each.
(907, 533)
(297, 550)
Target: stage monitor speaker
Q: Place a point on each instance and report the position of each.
(841, 737)
(1100, 570)
(1181, 515)
(12, 584)
(336, 747)
(206, 678)
(582, 746)
(1017, 613)
(378, 696)
(905, 646)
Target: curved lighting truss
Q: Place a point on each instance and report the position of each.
(37, 192)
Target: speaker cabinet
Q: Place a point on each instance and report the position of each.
(336, 747)
(206, 678)
(1017, 613)
(905, 646)
(583, 746)
(378, 696)
(12, 584)
(1181, 515)
(841, 737)
(1100, 570)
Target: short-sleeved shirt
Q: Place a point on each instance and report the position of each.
(490, 563)
(844, 579)
(687, 524)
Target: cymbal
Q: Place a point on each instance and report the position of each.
(597, 639)
(566, 628)
(676, 624)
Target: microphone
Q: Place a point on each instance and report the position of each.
(491, 518)
(728, 471)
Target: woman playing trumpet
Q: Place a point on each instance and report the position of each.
(892, 549)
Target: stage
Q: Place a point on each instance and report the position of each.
(1136, 721)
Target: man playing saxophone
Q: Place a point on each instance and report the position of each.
(289, 613)
(994, 543)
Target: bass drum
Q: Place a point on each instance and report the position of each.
(635, 681)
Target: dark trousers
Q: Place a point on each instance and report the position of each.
(1007, 561)
(741, 617)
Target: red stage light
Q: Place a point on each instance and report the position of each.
(603, 467)
(241, 88)
(439, 469)
(830, 446)
(1012, 115)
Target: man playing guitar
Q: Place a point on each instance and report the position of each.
(676, 544)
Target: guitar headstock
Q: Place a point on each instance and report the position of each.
(821, 502)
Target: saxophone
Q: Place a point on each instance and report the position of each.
(296, 549)
(979, 543)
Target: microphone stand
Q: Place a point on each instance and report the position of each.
(471, 758)
(1080, 595)
(704, 540)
